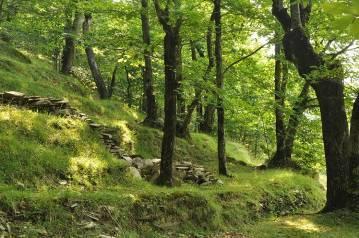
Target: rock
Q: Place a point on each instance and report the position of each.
(106, 136)
(13, 95)
(95, 126)
(127, 158)
(220, 182)
(147, 163)
(138, 162)
(133, 173)
(156, 161)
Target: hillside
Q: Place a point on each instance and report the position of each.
(57, 179)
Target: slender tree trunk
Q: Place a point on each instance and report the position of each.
(198, 92)
(181, 104)
(294, 119)
(279, 158)
(207, 123)
(113, 81)
(222, 167)
(96, 74)
(150, 100)
(129, 88)
(168, 142)
(1, 9)
(71, 33)
(171, 43)
(299, 107)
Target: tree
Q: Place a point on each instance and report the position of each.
(72, 31)
(329, 91)
(100, 83)
(151, 106)
(222, 167)
(171, 24)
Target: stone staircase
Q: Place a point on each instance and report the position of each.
(139, 167)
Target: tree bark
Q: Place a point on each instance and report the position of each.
(128, 88)
(330, 93)
(113, 81)
(96, 74)
(72, 31)
(279, 159)
(181, 104)
(150, 100)
(171, 43)
(222, 167)
(283, 158)
(207, 123)
(354, 156)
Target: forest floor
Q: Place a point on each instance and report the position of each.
(58, 180)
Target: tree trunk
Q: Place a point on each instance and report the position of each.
(181, 104)
(207, 123)
(354, 156)
(150, 100)
(129, 88)
(168, 142)
(222, 167)
(329, 91)
(283, 158)
(113, 81)
(335, 135)
(1, 9)
(171, 43)
(279, 158)
(71, 33)
(101, 86)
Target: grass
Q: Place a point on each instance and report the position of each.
(57, 180)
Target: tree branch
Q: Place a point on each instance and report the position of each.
(246, 56)
(342, 51)
(281, 13)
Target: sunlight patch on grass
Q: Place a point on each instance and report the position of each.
(305, 225)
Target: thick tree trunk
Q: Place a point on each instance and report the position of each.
(330, 94)
(354, 157)
(222, 167)
(150, 100)
(72, 31)
(329, 91)
(96, 74)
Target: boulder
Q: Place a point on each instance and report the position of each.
(138, 162)
(132, 172)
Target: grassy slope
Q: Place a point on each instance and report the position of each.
(39, 152)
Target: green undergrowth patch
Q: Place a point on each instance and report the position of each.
(41, 150)
(140, 209)
(331, 225)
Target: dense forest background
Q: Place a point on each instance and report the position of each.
(277, 79)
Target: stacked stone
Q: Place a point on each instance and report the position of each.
(196, 174)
